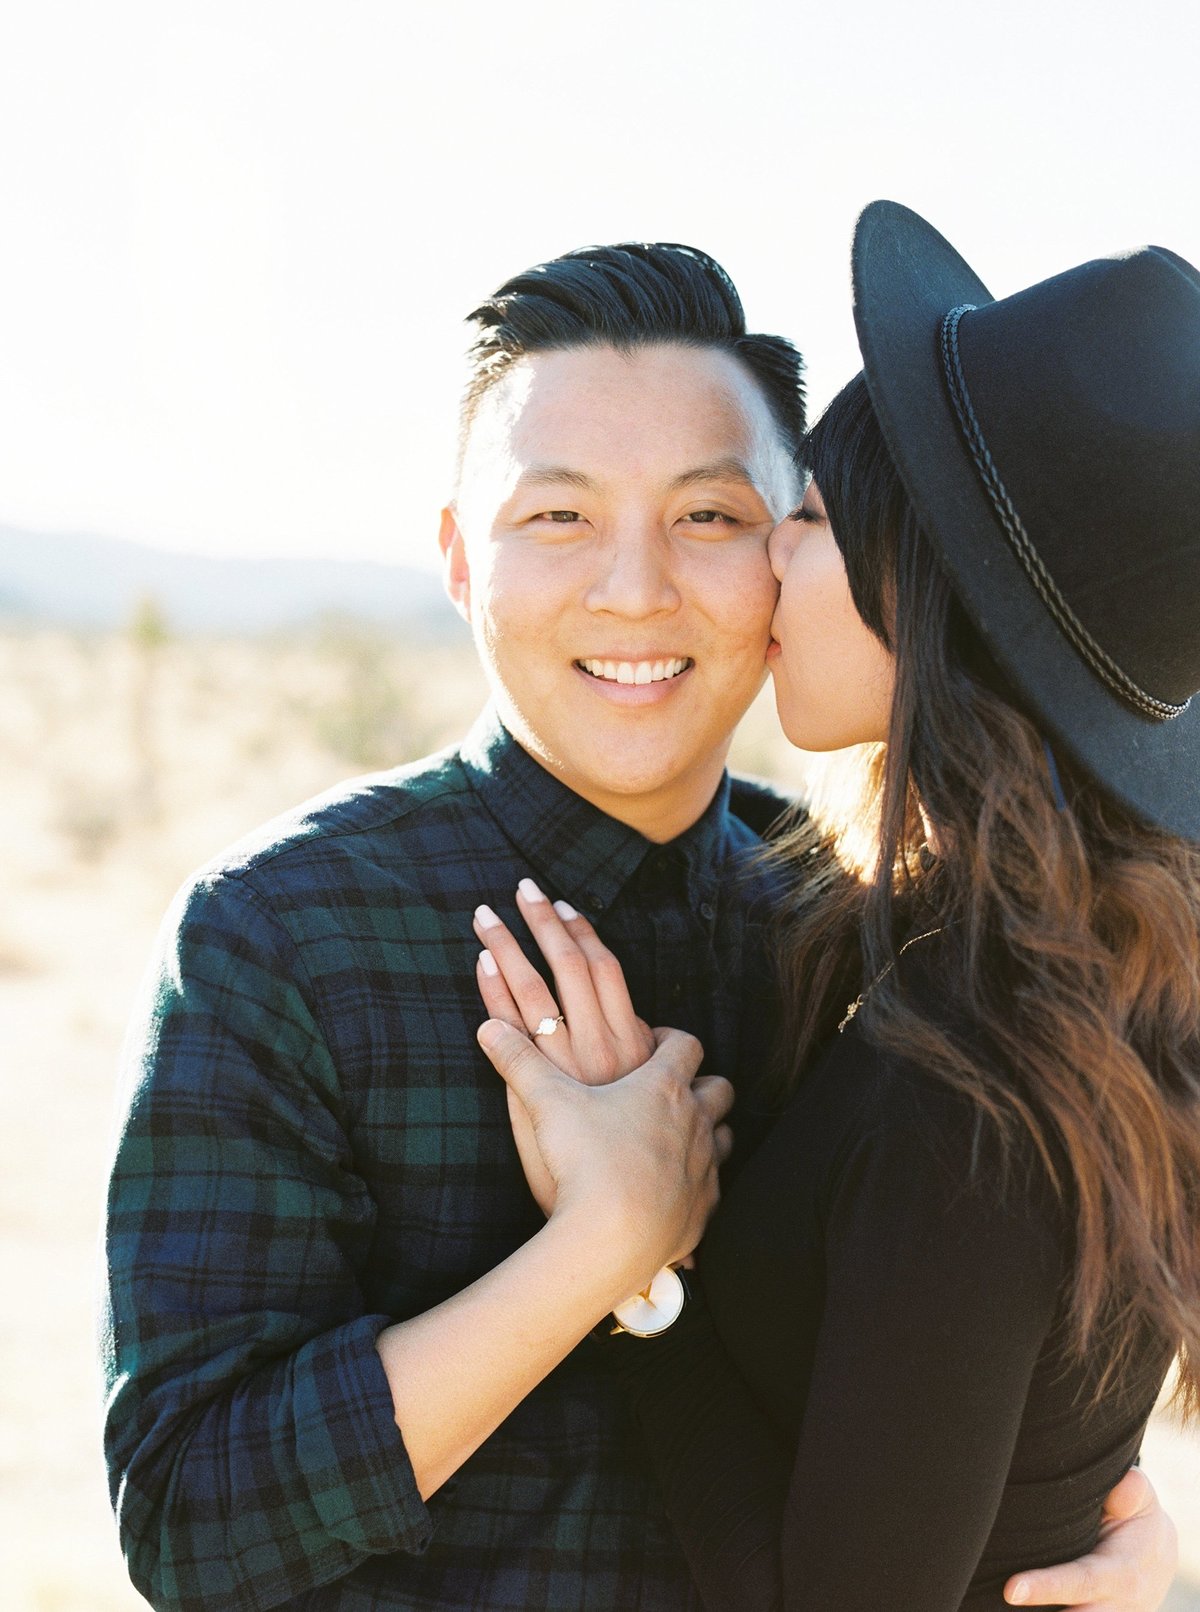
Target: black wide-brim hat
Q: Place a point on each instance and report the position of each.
(1050, 444)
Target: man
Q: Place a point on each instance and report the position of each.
(314, 1397)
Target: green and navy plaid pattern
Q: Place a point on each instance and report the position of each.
(313, 1146)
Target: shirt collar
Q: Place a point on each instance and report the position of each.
(577, 849)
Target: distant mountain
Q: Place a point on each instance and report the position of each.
(83, 581)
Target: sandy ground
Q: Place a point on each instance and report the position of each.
(127, 762)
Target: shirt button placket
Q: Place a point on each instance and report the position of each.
(684, 961)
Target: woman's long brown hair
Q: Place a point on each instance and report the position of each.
(1070, 958)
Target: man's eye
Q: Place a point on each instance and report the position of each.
(709, 517)
(562, 516)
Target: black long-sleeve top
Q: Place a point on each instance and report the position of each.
(872, 1406)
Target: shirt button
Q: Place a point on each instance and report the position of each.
(707, 911)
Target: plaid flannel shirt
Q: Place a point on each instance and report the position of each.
(312, 1146)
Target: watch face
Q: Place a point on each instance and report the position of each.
(650, 1312)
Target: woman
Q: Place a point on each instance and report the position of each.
(941, 1299)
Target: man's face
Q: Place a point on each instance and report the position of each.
(608, 546)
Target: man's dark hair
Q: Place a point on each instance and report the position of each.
(633, 294)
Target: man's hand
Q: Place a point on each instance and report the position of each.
(1131, 1568)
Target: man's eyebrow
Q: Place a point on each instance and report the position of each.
(728, 469)
(557, 476)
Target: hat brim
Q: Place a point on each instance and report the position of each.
(907, 277)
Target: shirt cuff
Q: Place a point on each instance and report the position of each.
(348, 1445)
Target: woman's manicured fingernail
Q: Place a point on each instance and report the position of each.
(486, 918)
(489, 1032)
(1019, 1593)
(565, 911)
(488, 963)
(530, 890)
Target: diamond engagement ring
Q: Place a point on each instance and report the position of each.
(549, 1026)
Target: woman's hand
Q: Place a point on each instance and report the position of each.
(601, 1039)
(633, 1163)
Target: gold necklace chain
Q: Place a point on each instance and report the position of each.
(853, 1007)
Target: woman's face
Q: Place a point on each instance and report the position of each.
(834, 680)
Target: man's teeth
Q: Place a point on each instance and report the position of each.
(641, 671)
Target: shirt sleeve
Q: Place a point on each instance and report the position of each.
(249, 1432)
(940, 1294)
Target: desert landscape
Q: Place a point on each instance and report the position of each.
(131, 756)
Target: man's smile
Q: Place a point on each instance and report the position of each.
(635, 682)
(635, 671)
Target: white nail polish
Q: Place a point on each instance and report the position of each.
(565, 911)
(530, 890)
(488, 963)
(486, 918)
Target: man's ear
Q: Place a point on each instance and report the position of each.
(456, 573)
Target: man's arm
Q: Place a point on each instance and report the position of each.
(249, 1432)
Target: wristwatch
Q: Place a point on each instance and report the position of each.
(649, 1313)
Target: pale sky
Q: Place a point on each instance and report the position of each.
(237, 241)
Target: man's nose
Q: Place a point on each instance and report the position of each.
(636, 576)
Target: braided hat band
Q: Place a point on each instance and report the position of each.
(1098, 659)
